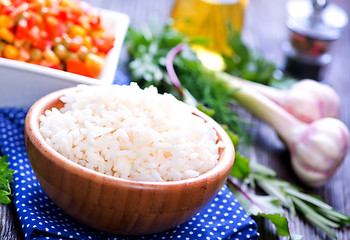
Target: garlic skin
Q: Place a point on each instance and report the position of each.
(309, 100)
(319, 150)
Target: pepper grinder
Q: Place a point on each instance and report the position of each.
(313, 26)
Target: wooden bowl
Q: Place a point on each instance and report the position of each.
(116, 205)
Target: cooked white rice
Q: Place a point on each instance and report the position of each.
(130, 133)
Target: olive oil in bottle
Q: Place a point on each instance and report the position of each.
(209, 19)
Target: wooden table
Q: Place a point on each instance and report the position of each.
(265, 31)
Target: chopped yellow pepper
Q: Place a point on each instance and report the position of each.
(11, 52)
(7, 35)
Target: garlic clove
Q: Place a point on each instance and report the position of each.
(320, 150)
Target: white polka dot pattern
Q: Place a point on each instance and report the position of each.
(223, 218)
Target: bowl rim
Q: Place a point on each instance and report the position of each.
(49, 72)
(226, 159)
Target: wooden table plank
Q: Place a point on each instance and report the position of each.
(265, 30)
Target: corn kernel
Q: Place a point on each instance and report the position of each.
(5, 21)
(51, 57)
(66, 3)
(6, 35)
(87, 42)
(52, 21)
(97, 33)
(50, 2)
(94, 63)
(77, 30)
(11, 52)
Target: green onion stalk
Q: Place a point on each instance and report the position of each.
(307, 99)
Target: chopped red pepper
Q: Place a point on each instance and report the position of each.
(76, 44)
(79, 67)
(51, 25)
(104, 44)
(22, 32)
(17, 2)
(32, 21)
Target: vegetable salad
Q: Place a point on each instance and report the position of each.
(60, 34)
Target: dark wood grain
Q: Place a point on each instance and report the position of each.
(9, 225)
(265, 31)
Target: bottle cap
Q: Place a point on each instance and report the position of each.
(317, 19)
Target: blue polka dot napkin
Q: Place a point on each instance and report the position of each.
(40, 218)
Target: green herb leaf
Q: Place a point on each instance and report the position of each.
(248, 64)
(307, 198)
(291, 197)
(263, 206)
(210, 112)
(6, 175)
(240, 167)
(279, 221)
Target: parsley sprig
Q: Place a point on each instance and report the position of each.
(6, 178)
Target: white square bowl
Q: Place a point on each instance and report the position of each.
(22, 84)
